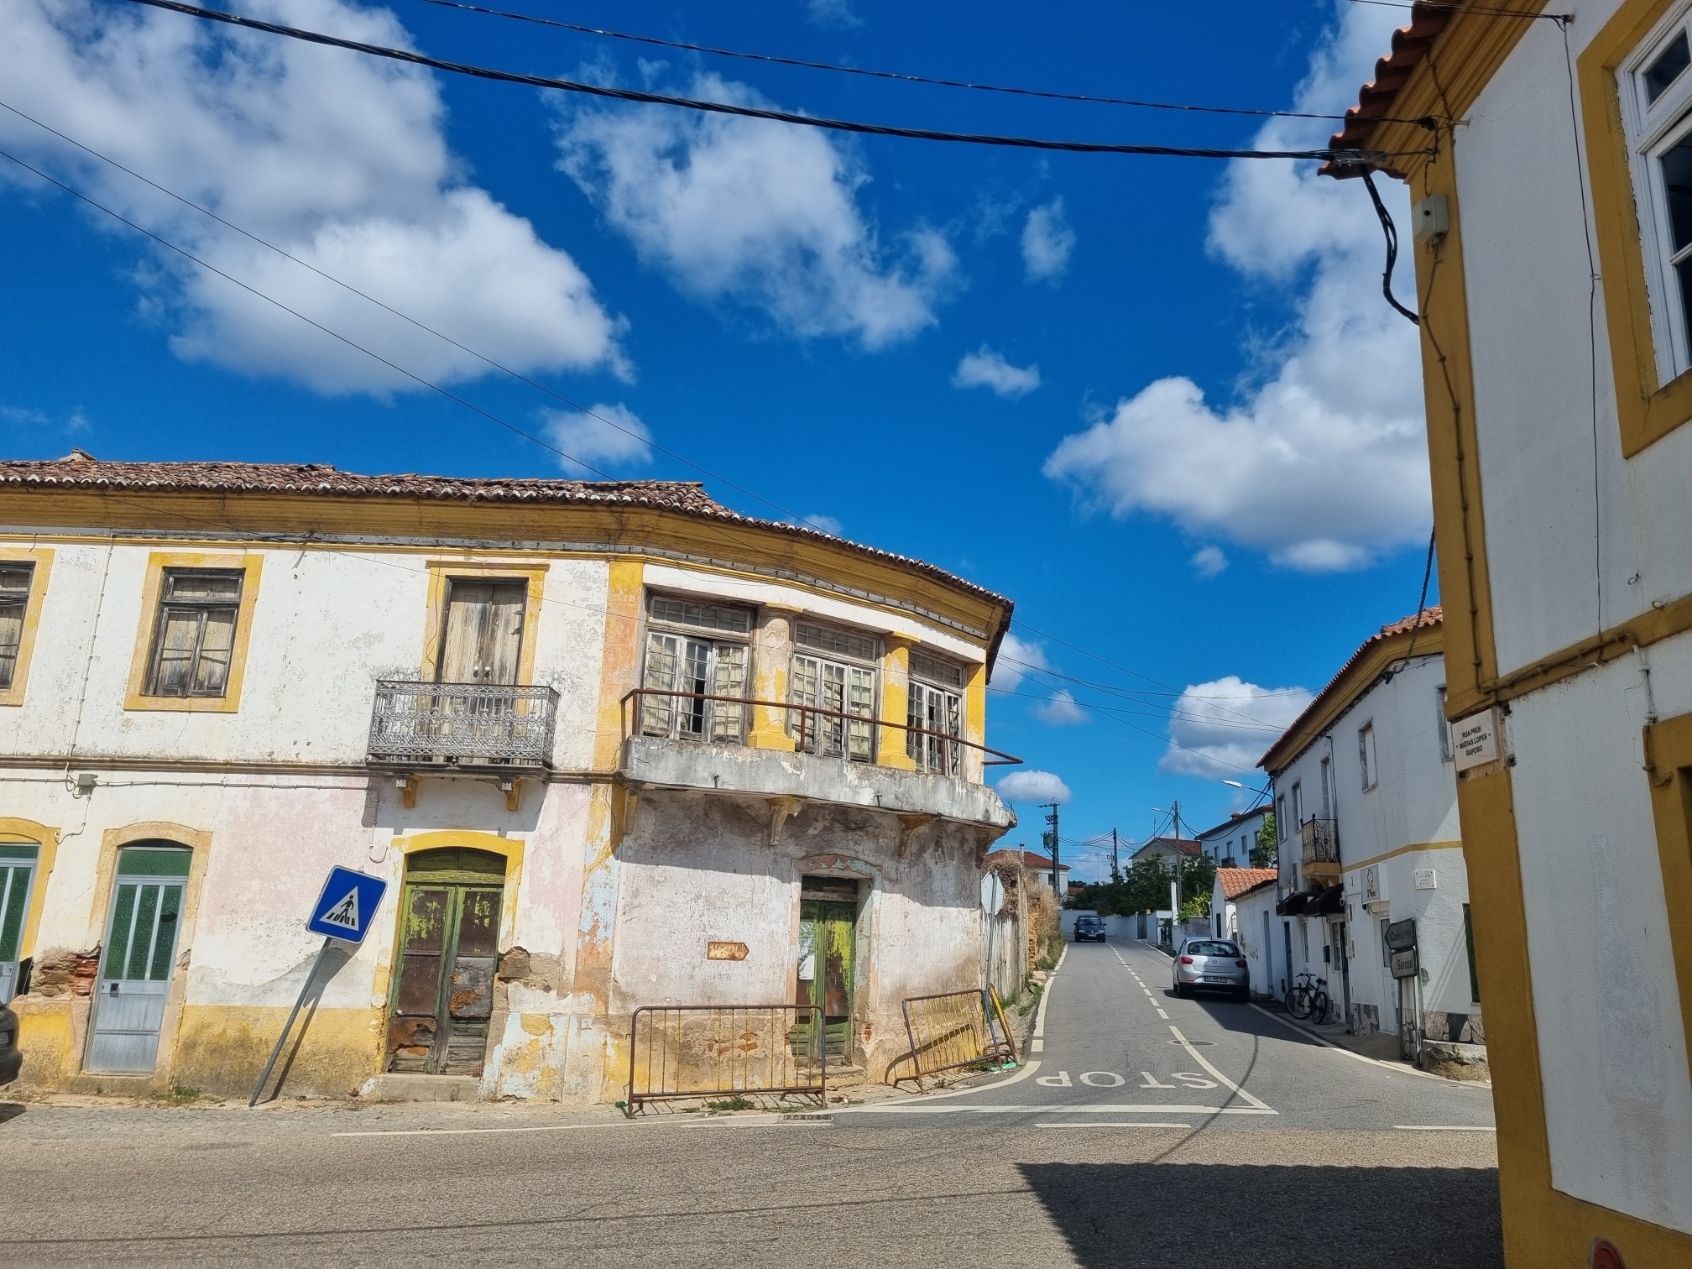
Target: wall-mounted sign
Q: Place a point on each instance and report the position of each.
(1474, 740)
(1372, 883)
(1401, 935)
(1405, 964)
(725, 951)
(1426, 879)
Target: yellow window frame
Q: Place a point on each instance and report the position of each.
(250, 565)
(441, 575)
(42, 558)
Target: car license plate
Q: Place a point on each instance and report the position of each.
(1217, 978)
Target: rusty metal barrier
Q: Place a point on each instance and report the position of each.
(951, 1030)
(702, 1051)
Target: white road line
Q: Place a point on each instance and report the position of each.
(1204, 1062)
(1037, 1045)
(1392, 1067)
(1443, 1128)
(700, 1121)
(1048, 1108)
(1161, 1014)
(1115, 1124)
(1046, 995)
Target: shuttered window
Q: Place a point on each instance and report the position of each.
(194, 640)
(14, 603)
(833, 671)
(685, 668)
(482, 641)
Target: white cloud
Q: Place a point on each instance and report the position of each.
(1032, 786)
(1322, 463)
(826, 524)
(1016, 658)
(758, 213)
(338, 159)
(1221, 728)
(1061, 710)
(603, 436)
(1047, 242)
(832, 13)
(985, 368)
(1208, 561)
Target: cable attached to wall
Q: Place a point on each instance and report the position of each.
(1391, 232)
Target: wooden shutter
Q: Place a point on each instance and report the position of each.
(502, 638)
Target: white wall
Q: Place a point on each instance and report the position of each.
(1235, 840)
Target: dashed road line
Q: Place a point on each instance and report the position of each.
(1444, 1128)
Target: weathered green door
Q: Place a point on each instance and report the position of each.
(449, 946)
(827, 964)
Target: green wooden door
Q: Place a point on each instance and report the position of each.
(827, 970)
(17, 876)
(449, 948)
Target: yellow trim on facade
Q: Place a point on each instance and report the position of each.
(477, 568)
(619, 671)
(512, 849)
(975, 721)
(251, 565)
(892, 751)
(772, 656)
(16, 830)
(42, 558)
(1646, 410)
(105, 877)
(1668, 746)
(1411, 849)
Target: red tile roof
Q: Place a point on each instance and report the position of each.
(1238, 881)
(1376, 99)
(1429, 618)
(1181, 845)
(1028, 859)
(79, 470)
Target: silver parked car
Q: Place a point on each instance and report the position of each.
(1211, 965)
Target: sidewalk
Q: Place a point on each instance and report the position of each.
(1383, 1047)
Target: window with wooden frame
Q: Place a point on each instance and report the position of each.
(935, 704)
(834, 671)
(697, 654)
(194, 636)
(1655, 88)
(482, 631)
(15, 582)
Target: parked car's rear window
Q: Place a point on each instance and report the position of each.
(1211, 949)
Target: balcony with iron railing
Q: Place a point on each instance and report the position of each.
(790, 749)
(1320, 841)
(471, 727)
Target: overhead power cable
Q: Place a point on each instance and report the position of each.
(757, 112)
(1467, 8)
(404, 317)
(897, 76)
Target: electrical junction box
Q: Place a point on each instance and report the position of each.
(1431, 218)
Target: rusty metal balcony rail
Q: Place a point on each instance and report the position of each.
(469, 724)
(725, 1051)
(949, 1031)
(830, 731)
(1321, 841)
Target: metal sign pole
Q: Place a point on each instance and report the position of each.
(289, 1025)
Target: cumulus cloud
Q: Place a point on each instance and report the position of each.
(1221, 728)
(1061, 710)
(985, 368)
(826, 524)
(1208, 561)
(760, 214)
(338, 159)
(1032, 786)
(1047, 242)
(1321, 462)
(600, 437)
(1016, 658)
(832, 13)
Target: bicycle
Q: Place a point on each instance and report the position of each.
(1307, 998)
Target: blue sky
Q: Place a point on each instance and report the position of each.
(1159, 402)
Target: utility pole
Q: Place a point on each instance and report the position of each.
(1050, 838)
(1180, 859)
(1115, 872)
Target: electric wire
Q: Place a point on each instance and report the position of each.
(898, 76)
(753, 112)
(405, 317)
(1466, 8)
(1391, 232)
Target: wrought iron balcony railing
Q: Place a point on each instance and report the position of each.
(1321, 841)
(462, 724)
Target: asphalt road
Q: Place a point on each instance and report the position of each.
(1229, 1140)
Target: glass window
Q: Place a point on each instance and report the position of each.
(685, 679)
(14, 603)
(936, 670)
(194, 640)
(682, 612)
(1656, 98)
(1366, 756)
(1444, 727)
(1666, 67)
(831, 689)
(846, 643)
(1469, 939)
(930, 710)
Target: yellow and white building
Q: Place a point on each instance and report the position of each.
(1550, 183)
(562, 719)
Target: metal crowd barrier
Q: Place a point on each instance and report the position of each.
(952, 1030)
(726, 1051)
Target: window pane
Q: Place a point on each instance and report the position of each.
(1666, 69)
(211, 667)
(14, 579)
(657, 712)
(696, 659)
(827, 639)
(11, 635)
(14, 897)
(176, 651)
(936, 670)
(1683, 278)
(728, 679)
(170, 908)
(914, 717)
(1677, 186)
(207, 587)
(140, 862)
(708, 616)
(146, 912)
(123, 920)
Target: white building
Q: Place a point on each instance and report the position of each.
(1551, 274)
(601, 768)
(1366, 806)
(1232, 885)
(1230, 843)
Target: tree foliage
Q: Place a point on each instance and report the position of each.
(1263, 851)
(1145, 887)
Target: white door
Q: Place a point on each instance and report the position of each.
(138, 960)
(17, 877)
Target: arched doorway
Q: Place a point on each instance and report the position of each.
(138, 957)
(442, 996)
(19, 859)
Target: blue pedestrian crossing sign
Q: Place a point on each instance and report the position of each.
(347, 907)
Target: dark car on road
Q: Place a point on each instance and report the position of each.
(11, 1061)
(1211, 965)
(1089, 927)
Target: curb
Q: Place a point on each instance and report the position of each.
(1403, 1068)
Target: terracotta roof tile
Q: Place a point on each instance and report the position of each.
(79, 470)
(1028, 859)
(1238, 881)
(1375, 100)
(1430, 617)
